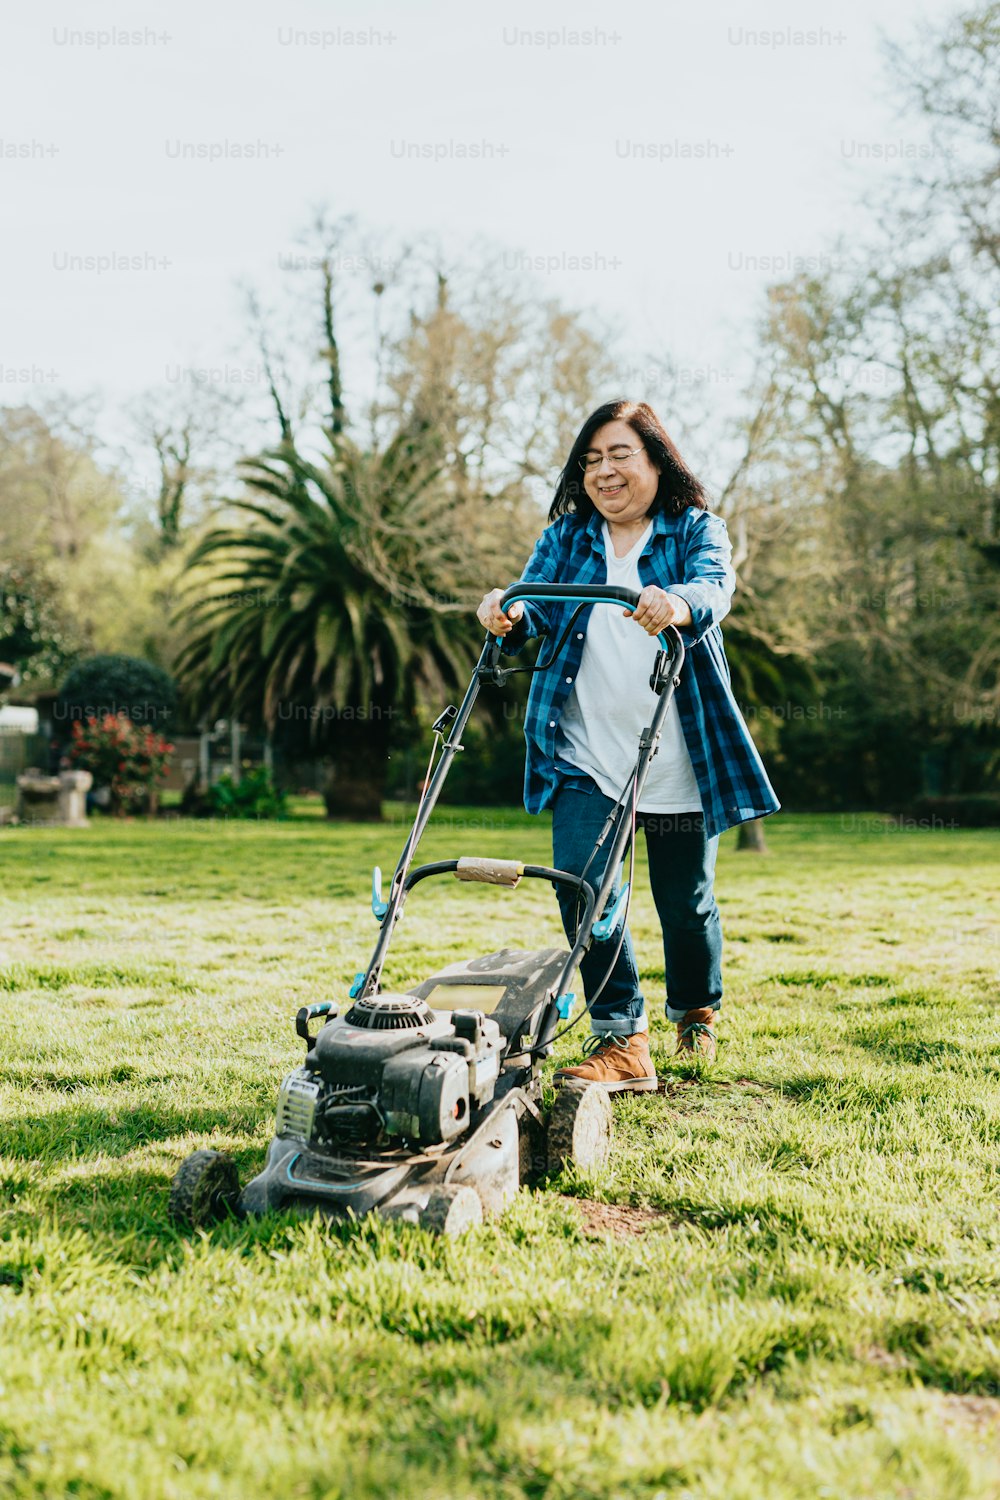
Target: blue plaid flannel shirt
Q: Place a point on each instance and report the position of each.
(690, 555)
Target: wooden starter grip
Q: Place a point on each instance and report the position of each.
(490, 871)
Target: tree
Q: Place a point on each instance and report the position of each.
(890, 371)
(336, 603)
(951, 76)
(340, 591)
(64, 527)
(34, 640)
(892, 423)
(504, 378)
(190, 431)
(54, 495)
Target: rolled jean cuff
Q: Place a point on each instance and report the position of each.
(627, 1026)
(678, 1015)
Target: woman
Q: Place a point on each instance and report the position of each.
(640, 520)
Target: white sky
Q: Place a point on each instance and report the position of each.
(780, 125)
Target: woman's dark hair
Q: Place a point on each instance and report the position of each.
(678, 487)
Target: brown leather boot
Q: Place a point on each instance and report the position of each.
(696, 1034)
(620, 1064)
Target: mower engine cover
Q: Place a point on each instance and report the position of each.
(411, 1071)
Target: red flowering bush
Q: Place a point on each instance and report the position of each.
(129, 758)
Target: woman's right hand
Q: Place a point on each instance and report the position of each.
(491, 616)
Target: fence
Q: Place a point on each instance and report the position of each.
(195, 757)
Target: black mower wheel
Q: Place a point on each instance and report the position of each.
(451, 1210)
(580, 1126)
(206, 1187)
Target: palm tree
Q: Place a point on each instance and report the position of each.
(337, 600)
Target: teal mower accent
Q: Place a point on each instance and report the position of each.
(564, 1005)
(379, 907)
(608, 925)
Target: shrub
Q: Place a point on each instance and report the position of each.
(129, 758)
(253, 796)
(975, 810)
(123, 687)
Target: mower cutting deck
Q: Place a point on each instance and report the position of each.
(427, 1105)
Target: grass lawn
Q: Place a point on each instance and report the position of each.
(804, 1299)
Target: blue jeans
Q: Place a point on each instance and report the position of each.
(681, 870)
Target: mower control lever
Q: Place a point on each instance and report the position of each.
(660, 674)
(445, 718)
(307, 1013)
(379, 907)
(606, 927)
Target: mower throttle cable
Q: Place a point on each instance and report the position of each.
(498, 675)
(405, 858)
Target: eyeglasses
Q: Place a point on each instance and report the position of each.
(616, 456)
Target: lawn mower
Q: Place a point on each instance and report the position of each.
(427, 1105)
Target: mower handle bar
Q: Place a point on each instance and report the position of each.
(586, 593)
(590, 593)
(529, 872)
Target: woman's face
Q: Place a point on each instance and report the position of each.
(622, 490)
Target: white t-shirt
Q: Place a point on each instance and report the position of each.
(611, 702)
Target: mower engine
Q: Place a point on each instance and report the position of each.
(392, 1067)
(423, 1106)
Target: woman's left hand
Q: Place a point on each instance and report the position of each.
(657, 609)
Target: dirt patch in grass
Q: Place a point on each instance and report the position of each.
(621, 1220)
(731, 1093)
(960, 1413)
(885, 1359)
(705, 1083)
